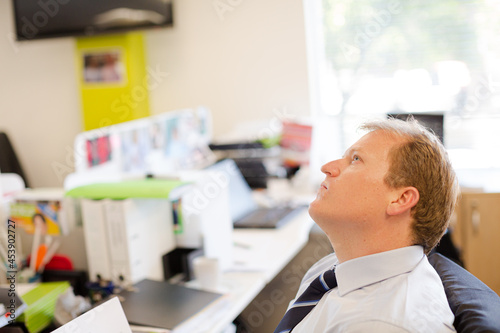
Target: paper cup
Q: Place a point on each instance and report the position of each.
(206, 272)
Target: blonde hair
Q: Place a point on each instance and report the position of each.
(421, 161)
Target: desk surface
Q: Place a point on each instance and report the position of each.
(261, 254)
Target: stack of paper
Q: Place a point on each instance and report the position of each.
(41, 302)
(105, 318)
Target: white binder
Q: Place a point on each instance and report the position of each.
(139, 233)
(96, 240)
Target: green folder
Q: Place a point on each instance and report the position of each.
(41, 302)
(144, 188)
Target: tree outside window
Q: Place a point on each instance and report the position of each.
(414, 56)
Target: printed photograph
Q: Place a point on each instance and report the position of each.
(103, 67)
(98, 151)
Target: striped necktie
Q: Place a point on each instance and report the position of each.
(307, 301)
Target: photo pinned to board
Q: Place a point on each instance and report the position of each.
(103, 67)
(44, 215)
(135, 146)
(186, 140)
(158, 145)
(98, 150)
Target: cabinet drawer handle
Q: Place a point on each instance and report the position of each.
(476, 219)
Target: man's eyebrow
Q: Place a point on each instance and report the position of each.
(352, 150)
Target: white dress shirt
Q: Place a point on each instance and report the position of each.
(393, 291)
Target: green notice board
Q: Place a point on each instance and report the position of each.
(113, 79)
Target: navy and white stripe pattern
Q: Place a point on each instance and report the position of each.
(307, 301)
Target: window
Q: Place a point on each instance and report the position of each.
(369, 58)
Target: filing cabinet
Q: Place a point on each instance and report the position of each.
(476, 232)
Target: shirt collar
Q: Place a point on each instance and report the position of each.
(363, 271)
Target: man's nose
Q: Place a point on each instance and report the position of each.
(331, 168)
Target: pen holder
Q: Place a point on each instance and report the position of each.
(27, 275)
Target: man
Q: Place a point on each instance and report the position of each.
(384, 205)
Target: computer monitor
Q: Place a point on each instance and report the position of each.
(433, 121)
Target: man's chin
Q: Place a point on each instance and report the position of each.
(313, 209)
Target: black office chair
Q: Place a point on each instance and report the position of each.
(448, 249)
(9, 162)
(476, 307)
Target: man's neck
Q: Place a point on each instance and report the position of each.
(350, 245)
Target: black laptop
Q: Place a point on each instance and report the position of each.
(244, 211)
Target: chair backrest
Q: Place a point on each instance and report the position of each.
(9, 162)
(476, 307)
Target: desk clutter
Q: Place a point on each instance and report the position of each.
(158, 145)
(151, 306)
(148, 306)
(146, 200)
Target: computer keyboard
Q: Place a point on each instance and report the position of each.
(268, 217)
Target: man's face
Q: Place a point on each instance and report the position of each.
(354, 192)
(39, 223)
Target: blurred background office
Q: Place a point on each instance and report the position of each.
(245, 62)
(334, 61)
(329, 63)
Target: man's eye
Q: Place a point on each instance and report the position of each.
(356, 158)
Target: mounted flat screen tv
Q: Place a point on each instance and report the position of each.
(433, 121)
(35, 19)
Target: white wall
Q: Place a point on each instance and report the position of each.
(39, 106)
(245, 64)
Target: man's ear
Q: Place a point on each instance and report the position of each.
(405, 199)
